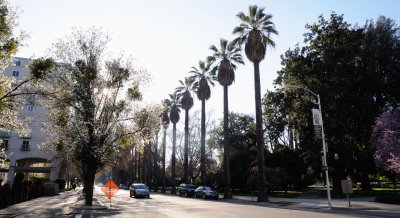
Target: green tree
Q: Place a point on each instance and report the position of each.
(243, 149)
(349, 68)
(8, 41)
(203, 77)
(173, 104)
(186, 100)
(255, 32)
(225, 59)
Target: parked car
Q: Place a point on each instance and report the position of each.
(206, 192)
(139, 190)
(187, 190)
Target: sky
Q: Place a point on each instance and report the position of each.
(169, 37)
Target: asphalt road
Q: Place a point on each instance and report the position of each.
(160, 205)
(164, 205)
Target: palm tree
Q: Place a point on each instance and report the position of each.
(186, 101)
(173, 104)
(224, 60)
(255, 32)
(202, 78)
(164, 123)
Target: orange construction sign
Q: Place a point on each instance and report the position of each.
(110, 188)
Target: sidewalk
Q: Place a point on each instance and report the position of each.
(366, 203)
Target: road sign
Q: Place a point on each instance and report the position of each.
(110, 188)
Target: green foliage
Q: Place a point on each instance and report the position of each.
(255, 32)
(134, 93)
(41, 67)
(287, 169)
(349, 68)
(61, 183)
(243, 151)
(8, 42)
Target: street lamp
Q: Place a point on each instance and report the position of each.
(324, 162)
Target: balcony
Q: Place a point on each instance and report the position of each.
(25, 149)
(5, 134)
(26, 135)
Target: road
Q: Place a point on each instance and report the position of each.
(69, 204)
(160, 205)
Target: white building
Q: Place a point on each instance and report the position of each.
(23, 154)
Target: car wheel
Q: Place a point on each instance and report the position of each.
(204, 196)
(180, 194)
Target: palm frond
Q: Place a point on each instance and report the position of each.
(213, 48)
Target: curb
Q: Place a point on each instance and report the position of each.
(7, 215)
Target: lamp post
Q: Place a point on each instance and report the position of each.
(324, 162)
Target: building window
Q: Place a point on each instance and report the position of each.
(15, 73)
(30, 107)
(4, 144)
(17, 63)
(25, 145)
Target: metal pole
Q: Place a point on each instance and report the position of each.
(325, 163)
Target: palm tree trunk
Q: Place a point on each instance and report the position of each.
(227, 175)
(203, 143)
(163, 160)
(262, 189)
(135, 168)
(186, 160)
(144, 163)
(156, 168)
(173, 190)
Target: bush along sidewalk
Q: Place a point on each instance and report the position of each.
(21, 190)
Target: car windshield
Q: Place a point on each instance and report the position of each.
(140, 187)
(207, 188)
(190, 186)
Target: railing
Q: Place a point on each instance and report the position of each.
(27, 135)
(25, 148)
(5, 134)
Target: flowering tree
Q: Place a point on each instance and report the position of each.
(13, 92)
(386, 141)
(90, 101)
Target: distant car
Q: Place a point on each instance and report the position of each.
(139, 190)
(206, 192)
(187, 190)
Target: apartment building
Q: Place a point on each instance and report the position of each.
(23, 153)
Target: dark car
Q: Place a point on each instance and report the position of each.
(206, 192)
(139, 190)
(185, 189)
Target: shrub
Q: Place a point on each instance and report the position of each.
(388, 199)
(61, 183)
(50, 188)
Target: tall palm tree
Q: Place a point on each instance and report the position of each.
(174, 104)
(225, 59)
(255, 32)
(202, 78)
(164, 122)
(186, 101)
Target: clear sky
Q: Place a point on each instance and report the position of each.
(167, 37)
